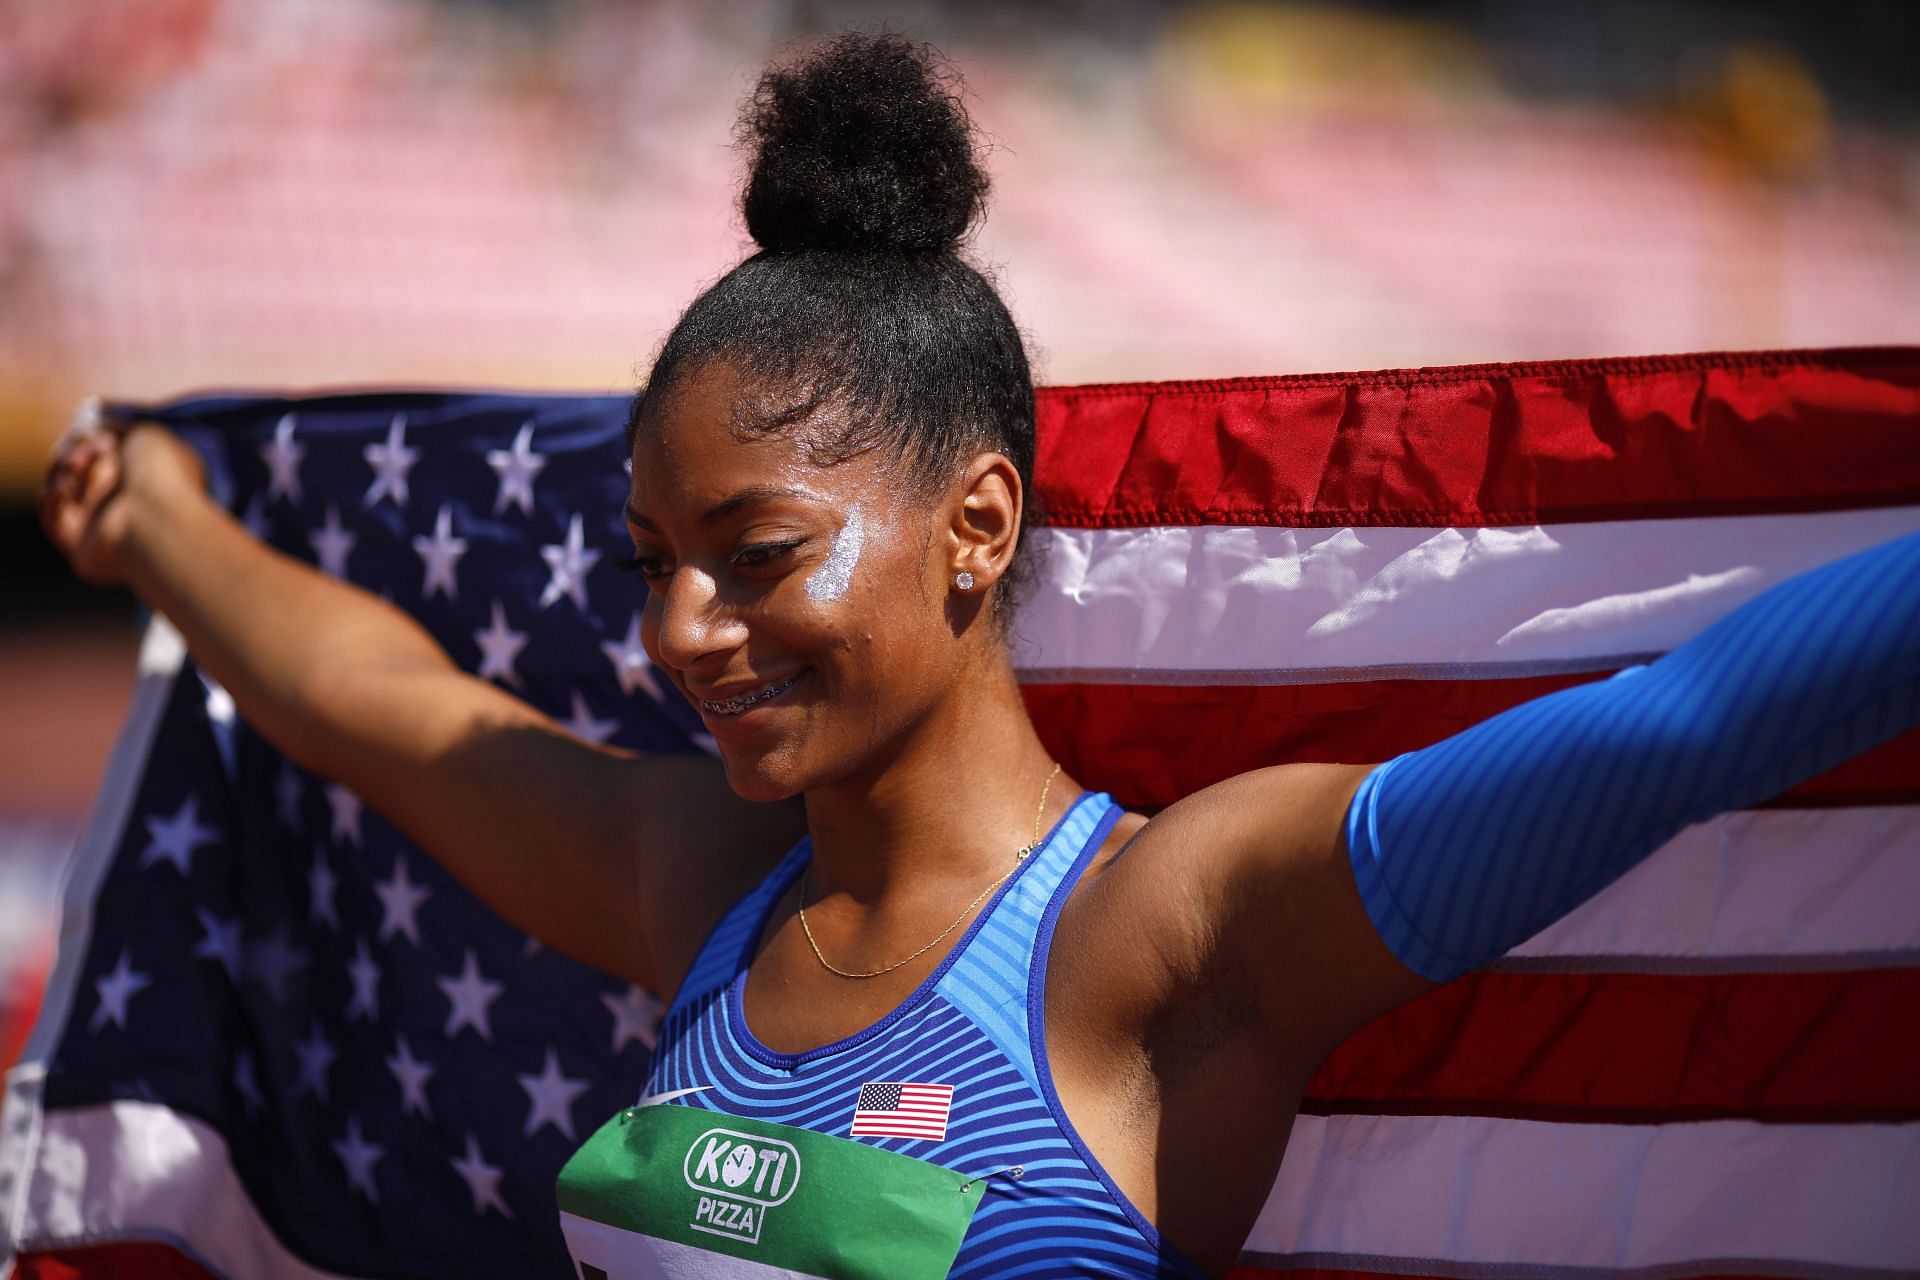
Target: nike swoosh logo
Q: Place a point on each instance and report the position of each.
(655, 1099)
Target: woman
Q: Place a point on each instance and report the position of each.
(968, 975)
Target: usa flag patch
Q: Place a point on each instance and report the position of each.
(902, 1109)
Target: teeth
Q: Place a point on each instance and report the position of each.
(734, 706)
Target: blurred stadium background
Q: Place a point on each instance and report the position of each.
(199, 193)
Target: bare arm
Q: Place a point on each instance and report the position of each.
(595, 851)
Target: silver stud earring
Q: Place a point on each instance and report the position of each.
(963, 580)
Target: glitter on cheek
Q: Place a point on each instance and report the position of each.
(835, 574)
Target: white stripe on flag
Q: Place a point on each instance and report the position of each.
(1526, 1193)
(1760, 883)
(139, 1171)
(1172, 604)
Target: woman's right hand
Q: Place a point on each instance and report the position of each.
(103, 488)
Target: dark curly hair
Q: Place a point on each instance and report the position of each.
(858, 324)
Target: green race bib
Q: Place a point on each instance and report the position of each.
(692, 1194)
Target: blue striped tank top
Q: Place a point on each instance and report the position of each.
(975, 1024)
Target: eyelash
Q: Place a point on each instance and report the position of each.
(761, 552)
(758, 553)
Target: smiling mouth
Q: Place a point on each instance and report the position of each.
(735, 706)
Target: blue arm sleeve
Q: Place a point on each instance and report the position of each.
(1466, 848)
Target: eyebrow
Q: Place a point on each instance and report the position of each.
(751, 496)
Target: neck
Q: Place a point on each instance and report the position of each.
(952, 802)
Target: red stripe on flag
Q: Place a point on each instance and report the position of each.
(1152, 744)
(1249, 1271)
(1640, 1049)
(130, 1261)
(1718, 434)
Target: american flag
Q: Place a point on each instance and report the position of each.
(281, 1042)
(350, 1064)
(902, 1109)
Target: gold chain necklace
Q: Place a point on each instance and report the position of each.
(1018, 858)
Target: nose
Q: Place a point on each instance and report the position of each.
(690, 621)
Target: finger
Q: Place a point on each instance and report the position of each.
(88, 451)
(64, 477)
(101, 479)
(64, 489)
(62, 458)
(65, 522)
(66, 493)
(81, 450)
(79, 455)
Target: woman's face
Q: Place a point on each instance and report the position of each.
(801, 608)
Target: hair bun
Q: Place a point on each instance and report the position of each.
(861, 145)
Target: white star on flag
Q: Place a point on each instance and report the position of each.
(316, 1054)
(321, 883)
(365, 976)
(359, 1156)
(439, 555)
(174, 839)
(273, 960)
(221, 943)
(630, 663)
(583, 725)
(550, 1098)
(245, 1083)
(499, 646)
(332, 544)
(282, 456)
(116, 989)
(517, 468)
(399, 898)
(569, 562)
(390, 462)
(636, 1016)
(411, 1074)
(471, 997)
(482, 1179)
(220, 708)
(346, 808)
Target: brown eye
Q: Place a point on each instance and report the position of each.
(762, 553)
(649, 567)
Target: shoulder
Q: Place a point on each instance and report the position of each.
(704, 849)
(1210, 842)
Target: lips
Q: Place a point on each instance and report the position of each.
(736, 705)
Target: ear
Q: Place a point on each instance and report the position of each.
(985, 529)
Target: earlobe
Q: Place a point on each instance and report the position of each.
(986, 526)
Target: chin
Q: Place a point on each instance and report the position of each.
(761, 776)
